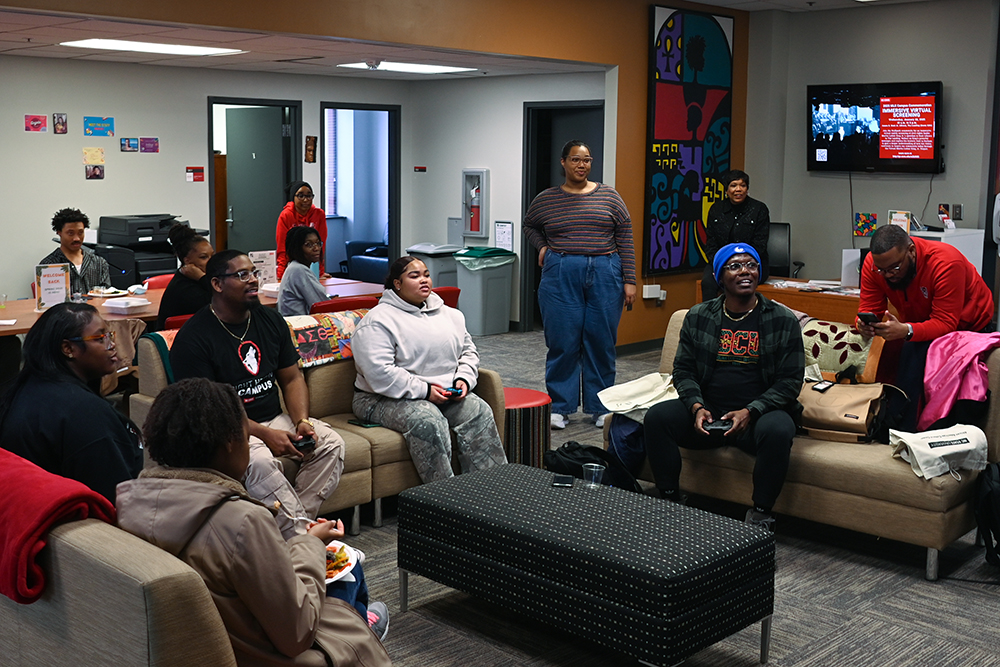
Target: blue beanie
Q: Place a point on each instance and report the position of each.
(727, 251)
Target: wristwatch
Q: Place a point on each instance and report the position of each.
(909, 331)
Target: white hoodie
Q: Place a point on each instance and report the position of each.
(399, 349)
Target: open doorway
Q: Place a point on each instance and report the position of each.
(547, 127)
(256, 152)
(361, 187)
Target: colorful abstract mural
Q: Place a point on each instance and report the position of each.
(690, 95)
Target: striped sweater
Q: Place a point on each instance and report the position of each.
(595, 223)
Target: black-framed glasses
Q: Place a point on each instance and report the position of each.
(302, 196)
(576, 159)
(749, 265)
(312, 244)
(108, 337)
(243, 275)
(890, 271)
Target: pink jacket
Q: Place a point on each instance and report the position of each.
(956, 369)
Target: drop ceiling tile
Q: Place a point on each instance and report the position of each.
(206, 36)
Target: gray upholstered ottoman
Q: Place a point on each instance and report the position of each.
(649, 578)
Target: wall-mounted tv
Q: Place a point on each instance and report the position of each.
(875, 127)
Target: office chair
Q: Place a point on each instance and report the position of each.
(158, 282)
(343, 303)
(779, 251)
(448, 294)
(176, 322)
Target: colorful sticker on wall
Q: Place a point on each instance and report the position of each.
(194, 174)
(130, 145)
(59, 123)
(94, 155)
(94, 172)
(98, 126)
(149, 145)
(689, 134)
(36, 122)
(865, 223)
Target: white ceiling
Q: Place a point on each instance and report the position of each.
(38, 35)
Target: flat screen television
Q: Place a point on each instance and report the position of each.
(875, 127)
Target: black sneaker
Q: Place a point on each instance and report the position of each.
(378, 619)
(760, 519)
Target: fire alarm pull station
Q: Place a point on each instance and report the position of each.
(475, 202)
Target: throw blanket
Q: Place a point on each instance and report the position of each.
(31, 502)
(956, 369)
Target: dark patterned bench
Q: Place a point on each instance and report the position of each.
(642, 576)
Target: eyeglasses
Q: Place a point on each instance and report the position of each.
(312, 244)
(108, 337)
(579, 160)
(301, 196)
(243, 275)
(737, 266)
(892, 271)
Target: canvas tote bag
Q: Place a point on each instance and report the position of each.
(844, 412)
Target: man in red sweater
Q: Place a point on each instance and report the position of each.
(935, 290)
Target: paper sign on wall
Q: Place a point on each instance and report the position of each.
(51, 285)
(98, 126)
(195, 174)
(36, 123)
(149, 145)
(93, 156)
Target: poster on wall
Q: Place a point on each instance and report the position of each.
(93, 155)
(59, 125)
(98, 126)
(36, 122)
(149, 145)
(94, 172)
(130, 145)
(310, 148)
(688, 134)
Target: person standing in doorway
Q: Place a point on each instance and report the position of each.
(300, 212)
(583, 233)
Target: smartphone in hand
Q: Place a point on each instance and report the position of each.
(868, 318)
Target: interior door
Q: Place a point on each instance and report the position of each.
(255, 176)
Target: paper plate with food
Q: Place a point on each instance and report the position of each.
(340, 560)
(103, 292)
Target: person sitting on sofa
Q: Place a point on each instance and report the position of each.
(270, 593)
(417, 366)
(237, 341)
(86, 269)
(935, 290)
(739, 360)
(52, 413)
(300, 288)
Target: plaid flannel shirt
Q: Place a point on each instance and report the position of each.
(93, 271)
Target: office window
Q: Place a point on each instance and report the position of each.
(330, 157)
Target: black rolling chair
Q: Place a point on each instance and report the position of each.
(779, 251)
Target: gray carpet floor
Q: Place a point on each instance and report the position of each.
(841, 598)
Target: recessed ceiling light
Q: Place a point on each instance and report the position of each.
(410, 68)
(150, 47)
(864, 0)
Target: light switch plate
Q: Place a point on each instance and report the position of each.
(956, 211)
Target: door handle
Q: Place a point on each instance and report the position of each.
(229, 218)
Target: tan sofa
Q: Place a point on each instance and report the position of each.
(113, 599)
(376, 461)
(860, 487)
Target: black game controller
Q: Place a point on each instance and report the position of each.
(305, 444)
(721, 425)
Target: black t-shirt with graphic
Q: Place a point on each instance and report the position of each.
(736, 378)
(204, 347)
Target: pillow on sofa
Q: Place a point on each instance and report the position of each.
(324, 337)
(835, 346)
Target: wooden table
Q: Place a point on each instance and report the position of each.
(23, 310)
(826, 306)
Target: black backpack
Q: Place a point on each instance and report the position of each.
(569, 460)
(987, 509)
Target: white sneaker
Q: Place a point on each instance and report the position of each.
(599, 420)
(558, 421)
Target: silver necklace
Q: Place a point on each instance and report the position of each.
(249, 316)
(724, 309)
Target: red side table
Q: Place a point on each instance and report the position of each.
(526, 433)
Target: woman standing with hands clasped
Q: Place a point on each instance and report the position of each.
(583, 233)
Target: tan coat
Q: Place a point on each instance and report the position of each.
(271, 594)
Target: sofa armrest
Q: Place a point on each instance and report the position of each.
(671, 337)
(490, 389)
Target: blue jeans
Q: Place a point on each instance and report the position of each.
(581, 298)
(354, 593)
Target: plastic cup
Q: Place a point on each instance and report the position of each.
(592, 474)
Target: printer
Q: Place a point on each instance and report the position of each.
(137, 246)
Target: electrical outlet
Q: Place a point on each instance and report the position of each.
(956, 211)
(650, 291)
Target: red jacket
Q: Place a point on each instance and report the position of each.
(289, 218)
(946, 295)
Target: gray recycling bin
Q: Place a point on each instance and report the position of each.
(440, 260)
(484, 276)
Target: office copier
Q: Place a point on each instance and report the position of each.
(136, 246)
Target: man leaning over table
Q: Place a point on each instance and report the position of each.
(237, 341)
(86, 269)
(935, 290)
